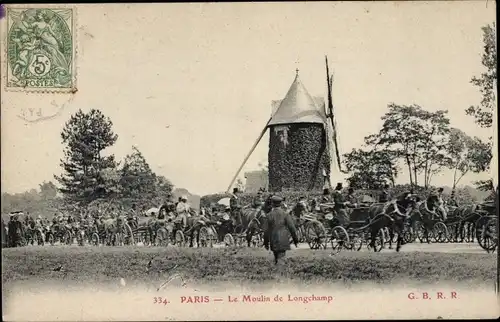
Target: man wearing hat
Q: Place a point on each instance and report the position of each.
(258, 201)
(441, 209)
(339, 207)
(15, 230)
(279, 225)
(384, 195)
(453, 199)
(326, 196)
(235, 204)
(182, 210)
(351, 198)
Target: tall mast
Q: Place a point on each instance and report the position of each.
(248, 155)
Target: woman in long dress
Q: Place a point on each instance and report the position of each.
(49, 42)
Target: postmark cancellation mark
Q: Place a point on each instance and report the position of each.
(41, 49)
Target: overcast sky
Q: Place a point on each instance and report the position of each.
(191, 85)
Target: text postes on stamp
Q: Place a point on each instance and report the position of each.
(41, 49)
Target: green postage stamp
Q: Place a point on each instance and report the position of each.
(41, 49)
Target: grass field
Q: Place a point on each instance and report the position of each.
(107, 265)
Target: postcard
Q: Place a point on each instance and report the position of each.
(249, 161)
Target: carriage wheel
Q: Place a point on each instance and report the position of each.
(440, 232)
(50, 239)
(129, 235)
(488, 240)
(68, 237)
(203, 237)
(162, 239)
(228, 240)
(316, 235)
(339, 239)
(179, 238)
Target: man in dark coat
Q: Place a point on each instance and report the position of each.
(235, 204)
(339, 207)
(15, 230)
(258, 201)
(384, 195)
(453, 199)
(326, 196)
(279, 225)
(351, 198)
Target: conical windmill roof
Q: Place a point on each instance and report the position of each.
(298, 106)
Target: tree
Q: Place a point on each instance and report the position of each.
(86, 136)
(370, 169)
(48, 190)
(466, 154)
(163, 190)
(137, 182)
(483, 113)
(416, 136)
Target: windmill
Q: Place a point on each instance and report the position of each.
(301, 137)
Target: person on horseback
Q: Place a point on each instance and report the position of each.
(339, 206)
(384, 194)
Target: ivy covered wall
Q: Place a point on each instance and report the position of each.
(297, 157)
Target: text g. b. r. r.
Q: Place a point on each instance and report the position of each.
(451, 295)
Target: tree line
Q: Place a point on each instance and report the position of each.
(423, 142)
(90, 175)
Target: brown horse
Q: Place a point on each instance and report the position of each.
(391, 215)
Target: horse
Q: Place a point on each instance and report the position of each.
(390, 215)
(254, 220)
(426, 213)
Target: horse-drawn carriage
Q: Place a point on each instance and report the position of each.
(34, 233)
(322, 227)
(486, 226)
(60, 232)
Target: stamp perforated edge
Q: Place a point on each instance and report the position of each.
(74, 67)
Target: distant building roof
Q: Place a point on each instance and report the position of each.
(298, 106)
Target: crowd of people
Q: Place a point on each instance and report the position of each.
(339, 200)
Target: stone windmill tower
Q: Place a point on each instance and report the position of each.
(302, 135)
(298, 155)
